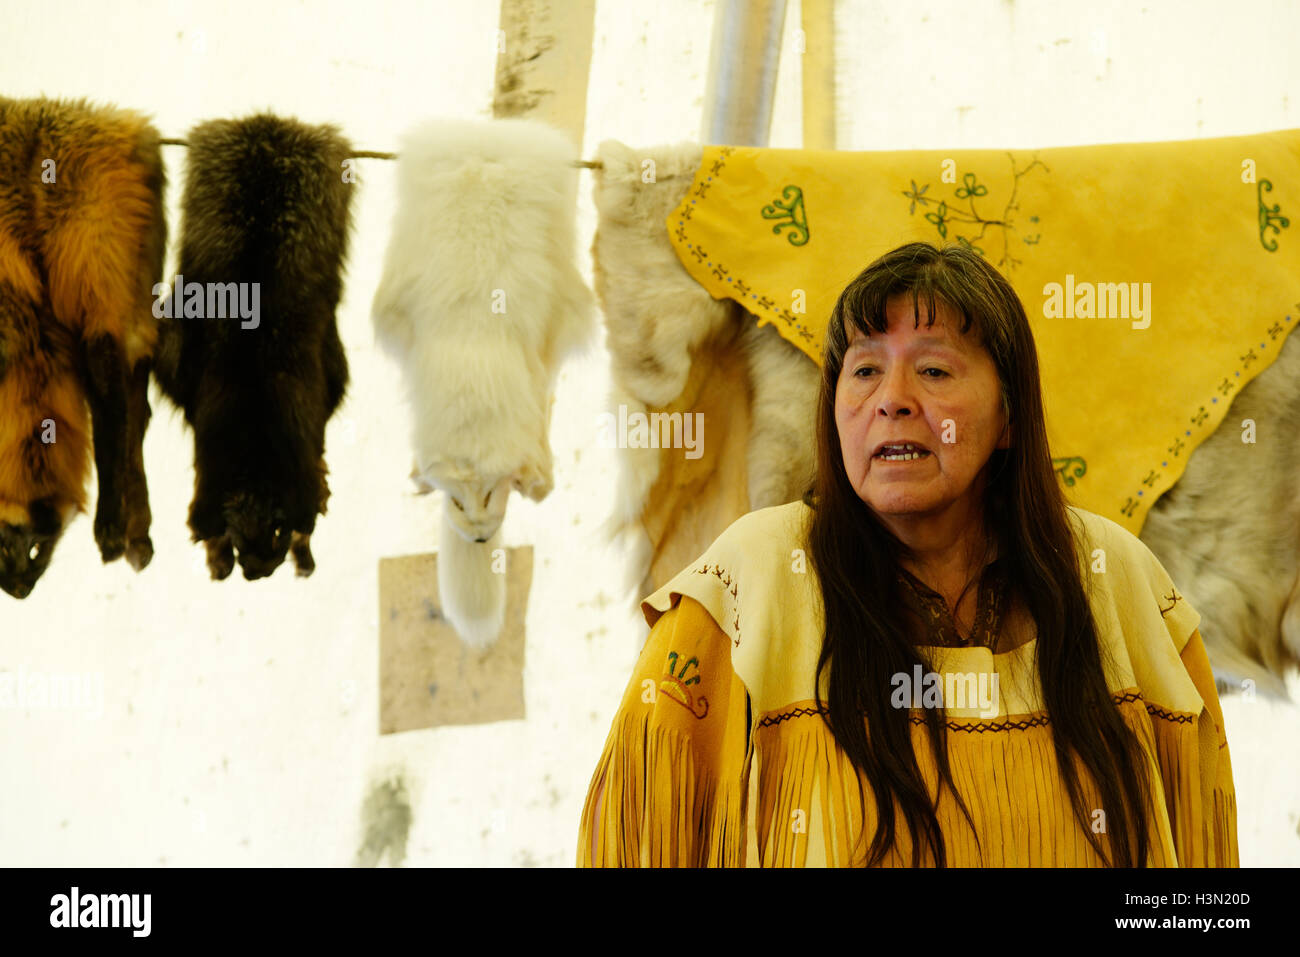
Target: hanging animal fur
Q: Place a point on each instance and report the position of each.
(659, 322)
(82, 239)
(479, 303)
(251, 351)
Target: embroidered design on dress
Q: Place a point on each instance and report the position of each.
(1174, 598)
(731, 589)
(796, 713)
(1033, 721)
(676, 686)
(1178, 717)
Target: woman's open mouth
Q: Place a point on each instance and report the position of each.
(901, 454)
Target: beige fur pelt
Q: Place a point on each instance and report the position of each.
(677, 349)
(1228, 532)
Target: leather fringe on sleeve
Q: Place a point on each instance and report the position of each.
(673, 778)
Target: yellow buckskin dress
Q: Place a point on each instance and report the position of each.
(724, 687)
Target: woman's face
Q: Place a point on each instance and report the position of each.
(931, 387)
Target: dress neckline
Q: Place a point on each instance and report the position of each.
(940, 628)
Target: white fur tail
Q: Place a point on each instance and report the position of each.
(473, 595)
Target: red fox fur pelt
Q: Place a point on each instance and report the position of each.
(82, 237)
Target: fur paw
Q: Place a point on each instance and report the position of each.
(533, 483)
(422, 485)
(221, 558)
(139, 552)
(110, 536)
(303, 561)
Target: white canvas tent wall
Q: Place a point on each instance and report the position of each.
(238, 722)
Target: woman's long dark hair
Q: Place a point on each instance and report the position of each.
(856, 558)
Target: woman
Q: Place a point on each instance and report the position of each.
(934, 563)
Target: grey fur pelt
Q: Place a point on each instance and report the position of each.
(265, 204)
(1228, 533)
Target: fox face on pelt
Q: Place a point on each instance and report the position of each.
(42, 482)
(476, 507)
(265, 207)
(27, 545)
(79, 254)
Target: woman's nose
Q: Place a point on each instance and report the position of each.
(894, 393)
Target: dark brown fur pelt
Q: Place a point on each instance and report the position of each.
(264, 203)
(82, 238)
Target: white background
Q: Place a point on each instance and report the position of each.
(240, 720)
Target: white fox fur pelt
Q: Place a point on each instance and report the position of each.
(656, 318)
(479, 303)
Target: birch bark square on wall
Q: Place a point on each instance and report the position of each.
(428, 677)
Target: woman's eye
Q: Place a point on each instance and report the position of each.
(927, 369)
